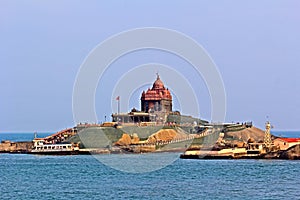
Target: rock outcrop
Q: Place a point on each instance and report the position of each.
(293, 153)
(135, 139)
(126, 139)
(164, 135)
(15, 147)
(254, 133)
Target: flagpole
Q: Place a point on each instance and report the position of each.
(118, 99)
(119, 105)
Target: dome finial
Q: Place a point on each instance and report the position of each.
(157, 76)
(158, 84)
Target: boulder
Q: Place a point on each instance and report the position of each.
(135, 139)
(124, 140)
(164, 135)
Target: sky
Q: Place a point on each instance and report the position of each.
(255, 45)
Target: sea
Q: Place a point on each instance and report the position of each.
(24, 176)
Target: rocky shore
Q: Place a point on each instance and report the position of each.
(236, 142)
(247, 143)
(293, 153)
(15, 147)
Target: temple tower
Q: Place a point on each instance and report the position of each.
(158, 98)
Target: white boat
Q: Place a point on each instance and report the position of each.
(55, 149)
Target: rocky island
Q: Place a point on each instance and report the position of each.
(157, 128)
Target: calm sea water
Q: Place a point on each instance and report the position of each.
(84, 177)
(17, 137)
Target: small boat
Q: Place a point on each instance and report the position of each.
(54, 149)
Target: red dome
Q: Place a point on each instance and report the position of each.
(158, 84)
(157, 94)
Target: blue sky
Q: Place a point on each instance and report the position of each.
(255, 44)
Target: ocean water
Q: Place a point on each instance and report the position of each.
(288, 134)
(84, 177)
(17, 137)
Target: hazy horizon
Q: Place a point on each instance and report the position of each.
(255, 45)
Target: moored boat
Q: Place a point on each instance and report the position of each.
(54, 149)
